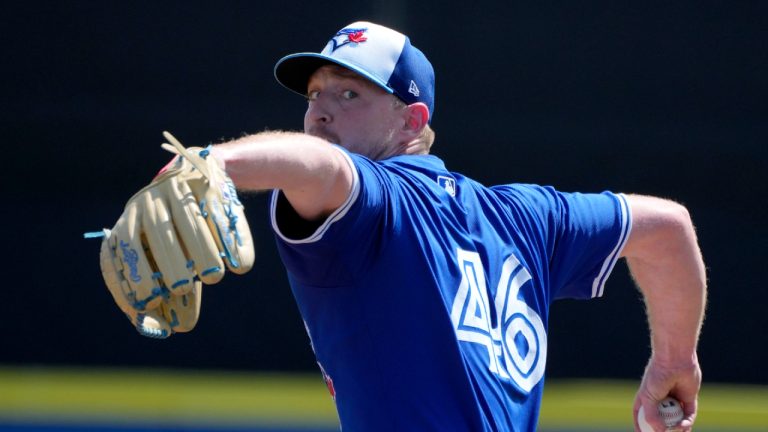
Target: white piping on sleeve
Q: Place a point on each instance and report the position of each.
(335, 216)
(598, 285)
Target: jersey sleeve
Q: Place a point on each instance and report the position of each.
(345, 239)
(583, 235)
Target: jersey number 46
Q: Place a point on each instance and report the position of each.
(511, 332)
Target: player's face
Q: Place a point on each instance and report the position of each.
(350, 111)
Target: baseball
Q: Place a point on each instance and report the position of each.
(670, 410)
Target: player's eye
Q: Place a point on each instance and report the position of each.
(312, 95)
(348, 94)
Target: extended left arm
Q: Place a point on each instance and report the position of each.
(664, 257)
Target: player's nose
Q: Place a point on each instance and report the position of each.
(317, 113)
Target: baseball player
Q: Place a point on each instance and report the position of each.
(426, 294)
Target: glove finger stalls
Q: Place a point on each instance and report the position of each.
(242, 232)
(143, 291)
(149, 323)
(183, 227)
(111, 270)
(182, 312)
(194, 232)
(164, 246)
(152, 324)
(226, 218)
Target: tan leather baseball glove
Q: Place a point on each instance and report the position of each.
(175, 235)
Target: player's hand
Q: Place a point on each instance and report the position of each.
(661, 379)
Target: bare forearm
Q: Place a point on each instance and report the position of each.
(272, 160)
(313, 175)
(675, 299)
(669, 271)
(663, 255)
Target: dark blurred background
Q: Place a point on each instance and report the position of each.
(666, 99)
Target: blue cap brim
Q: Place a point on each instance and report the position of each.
(293, 71)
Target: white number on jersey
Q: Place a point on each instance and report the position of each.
(514, 335)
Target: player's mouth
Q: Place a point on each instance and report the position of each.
(323, 133)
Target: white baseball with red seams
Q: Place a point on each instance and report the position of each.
(670, 410)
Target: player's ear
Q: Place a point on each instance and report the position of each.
(416, 118)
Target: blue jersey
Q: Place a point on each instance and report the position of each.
(426, 295)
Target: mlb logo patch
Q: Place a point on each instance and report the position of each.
(447, 183)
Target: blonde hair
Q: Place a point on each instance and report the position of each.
(426, 138)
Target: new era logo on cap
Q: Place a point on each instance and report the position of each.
(413, 89)
(380, 54)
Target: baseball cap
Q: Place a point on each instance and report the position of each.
(382, 55)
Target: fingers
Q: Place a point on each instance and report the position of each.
(690, 408)
(661, 381)
(647, 415)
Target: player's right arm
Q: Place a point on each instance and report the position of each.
(664, 257)
(315, 177)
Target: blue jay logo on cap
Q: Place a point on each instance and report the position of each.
(348, 35)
